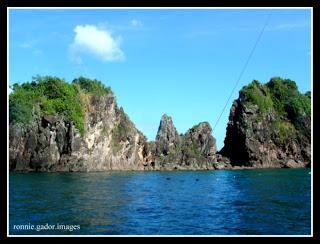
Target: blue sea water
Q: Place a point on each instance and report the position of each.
(224, 202)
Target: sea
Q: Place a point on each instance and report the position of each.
(220, 202)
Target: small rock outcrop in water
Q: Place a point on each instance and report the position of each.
(196, 149)
(269, 126)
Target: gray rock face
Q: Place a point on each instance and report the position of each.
(40, 146)
(111, 142)
(196, 149)
(252, 141)
(200, 137)
(167, 137)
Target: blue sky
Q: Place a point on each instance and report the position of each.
(180, 62)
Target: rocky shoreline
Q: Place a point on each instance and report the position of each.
(256, 138)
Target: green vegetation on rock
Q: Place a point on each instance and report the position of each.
(48, 95)
(91, 86)
(257, 94)
(121, 131)
(282, 130)
(288, 100)
(281, 98)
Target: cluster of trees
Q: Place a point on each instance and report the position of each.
(289, 101)
(258, 94)
(50, 95)
(280, 96)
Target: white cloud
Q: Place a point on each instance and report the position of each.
(136, 23)
(289, 26)
(97, 41)
(201, 33)
(26, 45)
(38, 52)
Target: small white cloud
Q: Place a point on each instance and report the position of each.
(32, 47)
(136, 23)
(26, 45)
(38, 52)
(289, 26)
(201, 33)
(99, 42)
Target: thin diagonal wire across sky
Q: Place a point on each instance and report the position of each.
(245, 66)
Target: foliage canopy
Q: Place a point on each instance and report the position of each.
(49, 95)
(281, 97)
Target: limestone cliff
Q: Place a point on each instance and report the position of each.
(78, 126)
(269, 126)
(53, 143)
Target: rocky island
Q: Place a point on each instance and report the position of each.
(78, 126)
(270, 126)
